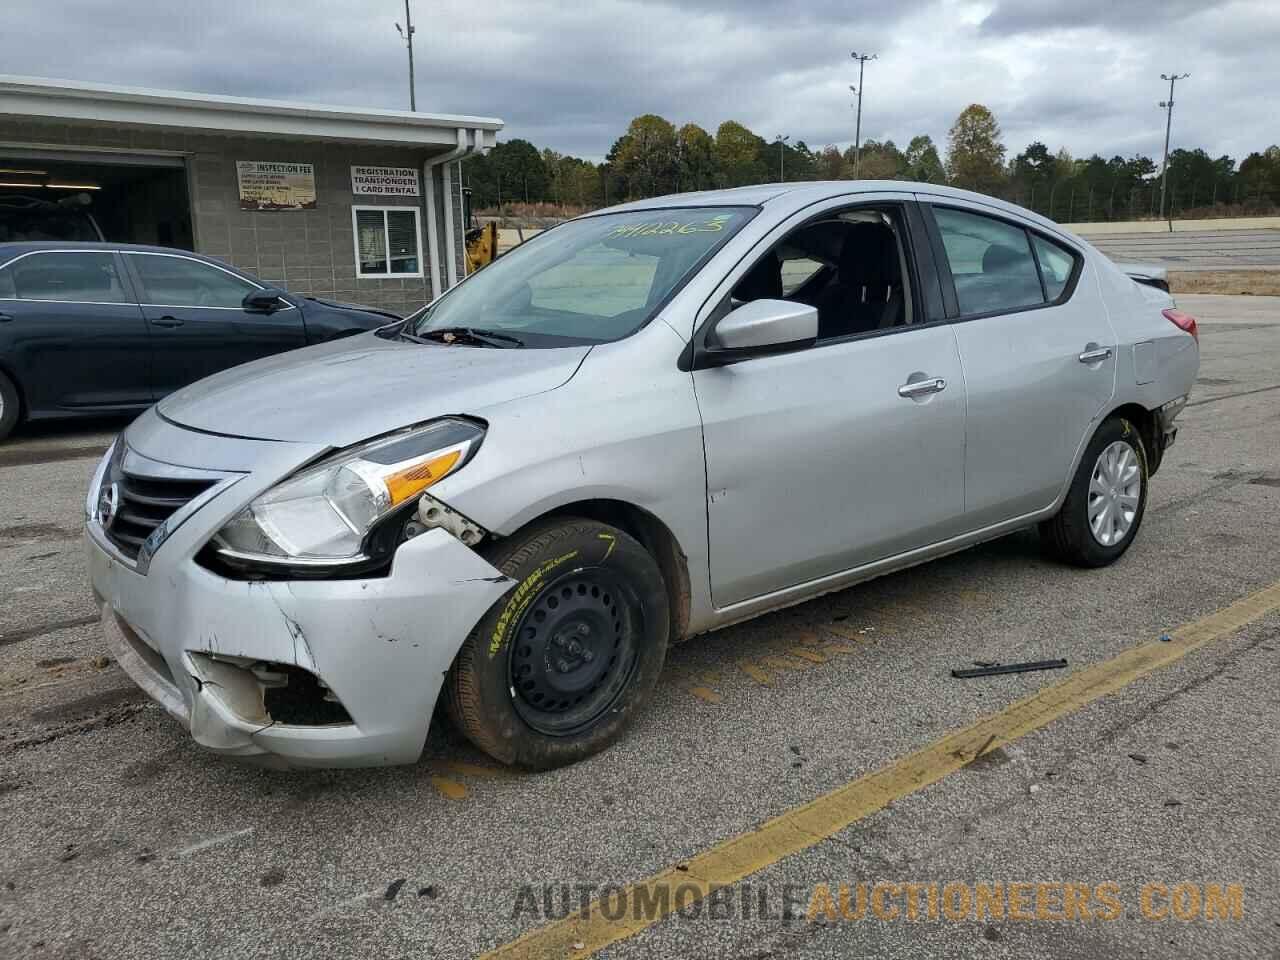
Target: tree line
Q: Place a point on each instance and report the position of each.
(655, 157)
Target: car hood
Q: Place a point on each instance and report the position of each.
(349, 390)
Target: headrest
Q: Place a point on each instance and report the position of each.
(1001, 259)
(868, 257)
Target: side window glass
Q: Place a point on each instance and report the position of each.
(7, 290)
(1056, 264)
(849, 265)
(179, 282)
(67, 277)
(990, 262)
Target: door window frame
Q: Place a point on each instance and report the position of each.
(947, 278)
(122, 272)
(386, 241)
(926, 298)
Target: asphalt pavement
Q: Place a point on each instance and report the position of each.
(122, 838)
(1194, 250)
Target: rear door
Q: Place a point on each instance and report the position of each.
(198, 322)
(1038, 353)
(72, 332)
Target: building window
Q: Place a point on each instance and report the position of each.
(388, 241)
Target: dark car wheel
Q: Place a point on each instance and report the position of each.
(555, 671)
(1103, 509)
(10, 407)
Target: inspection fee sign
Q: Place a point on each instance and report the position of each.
(384, 181)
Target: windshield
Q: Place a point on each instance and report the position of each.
(587, 281)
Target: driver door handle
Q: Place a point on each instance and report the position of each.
(5, 317)
(167, 321)
(919, 388)
(1094, 355)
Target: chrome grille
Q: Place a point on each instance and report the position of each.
(144, 504)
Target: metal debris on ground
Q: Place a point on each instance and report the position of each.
(990, 670)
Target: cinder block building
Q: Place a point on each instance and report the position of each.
(342, 203)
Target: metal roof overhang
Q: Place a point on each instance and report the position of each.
(29, 98)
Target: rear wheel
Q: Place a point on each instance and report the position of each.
(9, 406)
(1104, 506)
(555, 671)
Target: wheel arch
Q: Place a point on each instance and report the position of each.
(1148, 427)
(24, 407)
(653, 534)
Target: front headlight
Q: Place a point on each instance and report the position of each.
(322, 515)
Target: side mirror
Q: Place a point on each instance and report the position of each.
(266, 300)
(761, 327)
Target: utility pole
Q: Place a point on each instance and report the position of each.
(780, 140)
(857, 136)
(407, 34)
(1167, 106)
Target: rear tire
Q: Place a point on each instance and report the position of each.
(10, 406)
(1105, 504)
(555, 671)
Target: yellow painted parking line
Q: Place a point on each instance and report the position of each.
(449, 789)
(802, 827)
(706, 693)
(805, 653)
(755, 672)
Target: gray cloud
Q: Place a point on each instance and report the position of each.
(570, 76)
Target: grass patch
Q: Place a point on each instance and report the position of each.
(1260, 283)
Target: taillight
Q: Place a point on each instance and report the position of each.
(1183, 321)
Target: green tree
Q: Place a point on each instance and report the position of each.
(922, 160)
(830, 164)
(738, 155)
(646, 155)
(975, 155)
(696, 153)
(519, 171)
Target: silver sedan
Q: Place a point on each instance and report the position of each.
(644, 424)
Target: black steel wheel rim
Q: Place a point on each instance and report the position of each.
(574, 651)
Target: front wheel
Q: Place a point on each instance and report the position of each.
(1108, 495)
(555, 670)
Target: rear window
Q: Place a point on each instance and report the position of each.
(67, 277)
(990, 261)
(1056, 264)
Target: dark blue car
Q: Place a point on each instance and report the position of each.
(107, 328)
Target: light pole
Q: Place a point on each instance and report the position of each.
(407, 34)
(780, 140)
(1167, 106)
(857, 135)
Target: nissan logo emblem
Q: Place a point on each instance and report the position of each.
(108, 504)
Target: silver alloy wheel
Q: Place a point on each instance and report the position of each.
(1115, 489)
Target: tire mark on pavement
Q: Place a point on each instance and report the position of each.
(1232, 396)
(42, 629)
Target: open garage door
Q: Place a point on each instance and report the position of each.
(87, 195)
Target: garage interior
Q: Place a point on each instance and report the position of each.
(130, 198)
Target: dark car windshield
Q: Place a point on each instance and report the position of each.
(587, 281)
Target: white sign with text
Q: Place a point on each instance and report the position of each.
(384, 181)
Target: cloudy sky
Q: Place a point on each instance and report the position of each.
(1079, 73)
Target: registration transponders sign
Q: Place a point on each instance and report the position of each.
(384, 181)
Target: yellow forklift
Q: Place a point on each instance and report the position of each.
(482, 240)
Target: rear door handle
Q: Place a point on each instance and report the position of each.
(6, 317)
(919, 388)
(1094, 355)
(167, 321)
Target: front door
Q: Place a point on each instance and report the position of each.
(1039, 359)
(849, 451)
(198, 323)
(73, 332)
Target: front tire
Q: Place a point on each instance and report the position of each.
(555, 671)
(10, 407)
(1105, 504)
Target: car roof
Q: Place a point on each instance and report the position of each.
(32, 246)
(801, 193)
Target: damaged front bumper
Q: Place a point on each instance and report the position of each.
(211, 650)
